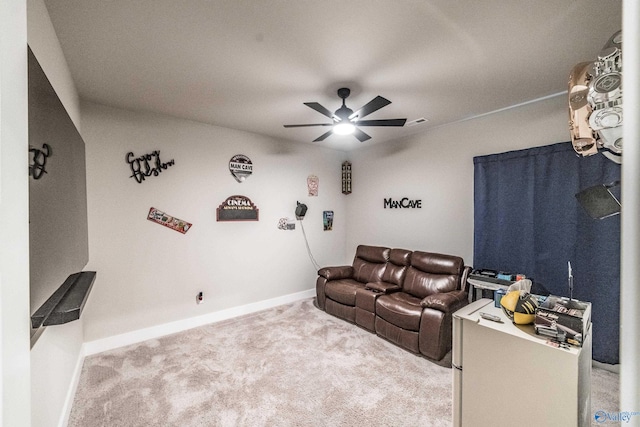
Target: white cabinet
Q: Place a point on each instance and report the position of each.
(506, 375)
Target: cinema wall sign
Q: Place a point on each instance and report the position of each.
(403, 203)
(237, 208)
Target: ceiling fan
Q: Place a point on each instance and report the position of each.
(346, 122)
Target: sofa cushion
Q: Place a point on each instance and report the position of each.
(437, 263)
(364, 271)
(376, 254)
(399, 336)
(343, 291)
(431, 273)
(397, 266)
(369, 263)
(400, 309)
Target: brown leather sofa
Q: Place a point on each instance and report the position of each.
(405, 296)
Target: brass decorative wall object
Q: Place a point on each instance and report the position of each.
(595, 103)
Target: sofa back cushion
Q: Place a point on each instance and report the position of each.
(397, 266)
(431, 273)
(369, 263)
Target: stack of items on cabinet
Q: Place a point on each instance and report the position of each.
(407, 297)
(563, 319)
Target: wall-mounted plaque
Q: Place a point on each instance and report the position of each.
(312, 185)
(237, 208)
(169, 221)
(240, 167)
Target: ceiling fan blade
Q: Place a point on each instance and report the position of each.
(361, 135)
(320, 109)
(304, 126)
(323, 136)
(374, 105)
(383, 122)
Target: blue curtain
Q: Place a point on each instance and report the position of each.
(527, 220)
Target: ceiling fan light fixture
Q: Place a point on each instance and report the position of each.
(344, 129)
(346, 122)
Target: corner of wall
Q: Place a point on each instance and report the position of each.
(45, 45)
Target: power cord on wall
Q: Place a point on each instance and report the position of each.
(306, 241)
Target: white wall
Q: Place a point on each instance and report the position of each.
(630, 221)
(46, 47)
(56, 356)
(14, 226)
(437, 167)
(148, 274)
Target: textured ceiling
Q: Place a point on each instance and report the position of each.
(250, 64)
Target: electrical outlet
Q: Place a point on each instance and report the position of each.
(200, 298)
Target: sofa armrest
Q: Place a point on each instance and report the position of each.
(336, 273)
(446, 301)
(383, 287)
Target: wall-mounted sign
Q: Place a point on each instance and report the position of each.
(147, 165)
(286, 224)
(37, 168)
(327, 220)
(240, 167)
(312, 185)
(172, 222)
(346, 177)
(237, 208)
(405, 202)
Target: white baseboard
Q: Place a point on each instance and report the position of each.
(71, 392)
(133, 337)
(606, 366)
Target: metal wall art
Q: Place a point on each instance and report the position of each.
(240, 167)
(405, 202)
(237, 208)
(346, 177)
(312, 185)
(147, 165)
(171, 222)
(595, 103)
(39, 163)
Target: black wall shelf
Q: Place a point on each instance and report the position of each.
(66, 303)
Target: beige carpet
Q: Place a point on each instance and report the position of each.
(292, 365)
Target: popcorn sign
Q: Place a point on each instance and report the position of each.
(173, 223)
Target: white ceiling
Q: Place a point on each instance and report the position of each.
(250, 64)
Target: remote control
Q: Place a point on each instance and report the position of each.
(490, 317)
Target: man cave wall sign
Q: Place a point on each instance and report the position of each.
(240, 167)
(237, 208)
(403, 203)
